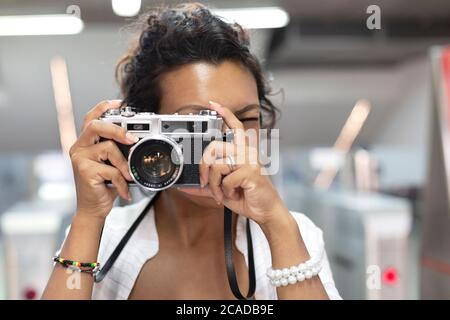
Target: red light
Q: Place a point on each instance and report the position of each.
(390, 276)
(29, 294)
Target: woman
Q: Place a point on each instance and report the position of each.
(186, 59)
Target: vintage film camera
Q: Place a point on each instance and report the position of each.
(170, 146)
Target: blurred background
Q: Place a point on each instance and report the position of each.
(363, 87)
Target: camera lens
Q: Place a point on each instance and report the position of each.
(155, 163)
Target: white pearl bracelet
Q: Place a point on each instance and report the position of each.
(294, 274)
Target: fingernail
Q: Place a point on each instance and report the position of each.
(129, 196)
(131, 137)
(214, 104)
(114, 101)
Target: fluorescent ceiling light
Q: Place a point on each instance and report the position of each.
(33, 25)
(63, 102)
(255, 18)
(126, 8)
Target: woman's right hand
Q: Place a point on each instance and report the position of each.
(94, 197)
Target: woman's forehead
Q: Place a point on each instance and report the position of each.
(194, 84)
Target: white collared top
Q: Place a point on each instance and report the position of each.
(144, 245)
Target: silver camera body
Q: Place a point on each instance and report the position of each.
(170, 146)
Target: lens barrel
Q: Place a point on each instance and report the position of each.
(155, 163)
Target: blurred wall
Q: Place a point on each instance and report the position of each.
(315, 104)
(30, 123)
(405, 129)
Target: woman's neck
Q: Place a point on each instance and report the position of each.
(188, 222)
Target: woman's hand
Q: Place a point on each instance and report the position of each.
(240, 183)
(243, 187)
(94, 198)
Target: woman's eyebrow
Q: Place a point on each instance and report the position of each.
(245, 109)
(192, 107)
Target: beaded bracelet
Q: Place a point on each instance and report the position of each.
(297, 273)
(87, 267)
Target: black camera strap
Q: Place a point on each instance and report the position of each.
(228, 244)
(115, 254)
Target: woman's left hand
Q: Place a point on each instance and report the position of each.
(240, 183)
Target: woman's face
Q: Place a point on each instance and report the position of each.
(190, 88)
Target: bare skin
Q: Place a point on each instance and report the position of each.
(189, 263)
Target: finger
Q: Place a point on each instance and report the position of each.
(238, 179)
(216, 149)
(100, 109)
(112, 174)
(231, 121)
(216, 174)
(97, 128)
(108, 150)
(113, 193)
(230, 193)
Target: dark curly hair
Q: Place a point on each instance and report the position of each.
(173, 36)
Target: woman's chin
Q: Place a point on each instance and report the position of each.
(199, 195)
(200, 192)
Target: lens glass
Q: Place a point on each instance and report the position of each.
(155, 164)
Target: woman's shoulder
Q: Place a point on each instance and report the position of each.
(311, 234)
(141, 246)
(303, 218)
(142, 241)
(121, 218)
